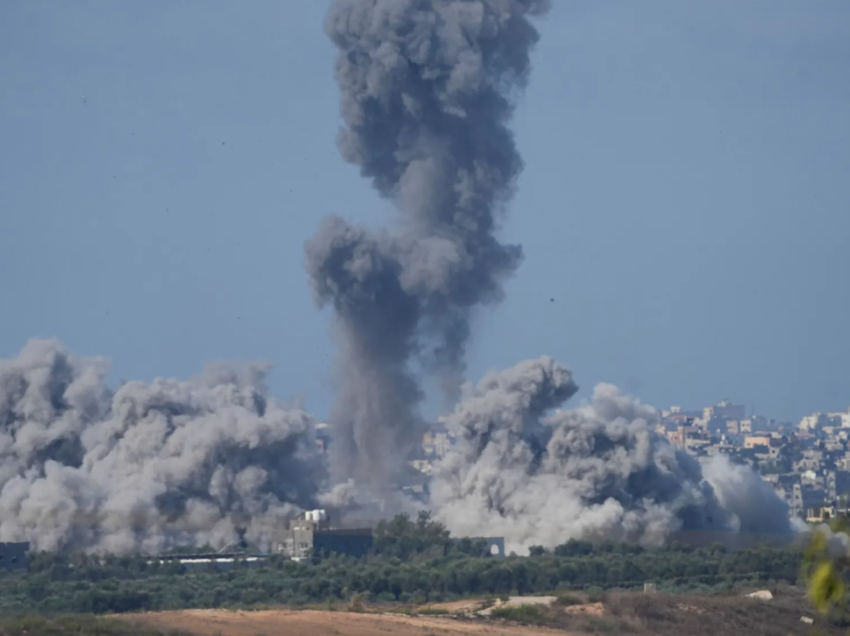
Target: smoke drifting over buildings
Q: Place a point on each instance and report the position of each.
(599, 471)
(425, 97)
(149, 466)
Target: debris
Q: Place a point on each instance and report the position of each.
(807, 620)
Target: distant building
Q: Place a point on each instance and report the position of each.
(310, 536)
(679, 437)
(495, 545)
(724, 410)
(423, 466)
(831, 486)
(756, 440)
(442, 444)
(797, 500)
(813, 422)
(436, 443)
(323, 437)
(820, 512)
(354, 542)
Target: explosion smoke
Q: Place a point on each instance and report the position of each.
(426, 88)
(596, 472)
(150, 466)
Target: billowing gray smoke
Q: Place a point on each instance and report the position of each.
(150, 466)
(541, 476)
(426, 97)
(427, 88)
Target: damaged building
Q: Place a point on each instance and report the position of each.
(310, 535)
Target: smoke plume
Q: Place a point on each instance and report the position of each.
(427, 90)
(535, 475)
(149, 466)
(426, 95)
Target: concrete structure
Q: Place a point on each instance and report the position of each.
(724, 410)
(219, 561)
(495, 545)
(813, 422)
(752, 441)
(354, 542)
(13, 556)
(310, 536)
(820, 512)
(797, 500)
(831, 486)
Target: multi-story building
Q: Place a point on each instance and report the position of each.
(310, 536)
(756, 440)
(724, 410)
(813, 422)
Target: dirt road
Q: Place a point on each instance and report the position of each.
(318, 623)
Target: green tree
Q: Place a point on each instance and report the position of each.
(826, 566)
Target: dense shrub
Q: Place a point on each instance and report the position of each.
(413, 561)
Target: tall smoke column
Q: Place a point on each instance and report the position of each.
(426, 97)
(148, 466)
(535, 475)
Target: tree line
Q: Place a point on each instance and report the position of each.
(412, 561)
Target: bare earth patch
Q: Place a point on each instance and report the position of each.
(519, 601)
(318, 623)
(458, 607)
(585, 609)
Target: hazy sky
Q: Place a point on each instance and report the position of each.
(685, 199)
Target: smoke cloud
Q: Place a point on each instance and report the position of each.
(149, 466)
(427, 92)
(536, 475)
(426, 95)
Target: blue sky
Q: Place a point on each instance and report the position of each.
(684, 201)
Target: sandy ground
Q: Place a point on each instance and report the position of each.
(458, 607)
(517, 601)
(587, 609)
(318, 623)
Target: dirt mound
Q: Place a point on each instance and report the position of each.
(319, 623)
